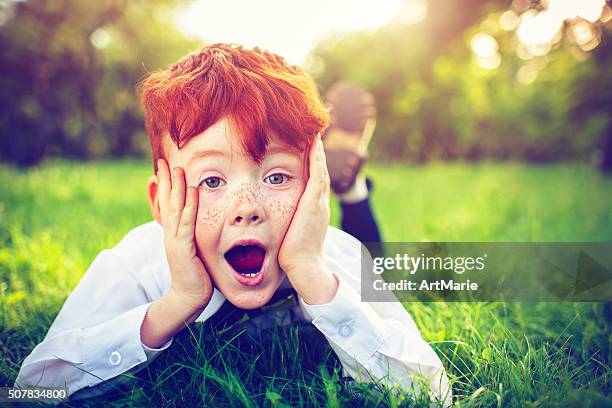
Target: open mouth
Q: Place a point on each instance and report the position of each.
(247, 260)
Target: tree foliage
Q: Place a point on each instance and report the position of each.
(68, 75)
(69, 70)
(436, 102)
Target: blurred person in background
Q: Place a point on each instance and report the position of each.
(346, 140)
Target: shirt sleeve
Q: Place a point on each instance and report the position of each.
(379, 341)
(96, 335)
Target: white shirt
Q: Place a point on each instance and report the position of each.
(96, 335)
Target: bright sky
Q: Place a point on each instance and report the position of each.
(290, 28)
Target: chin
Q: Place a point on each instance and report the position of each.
(250, 300)
(254, 297)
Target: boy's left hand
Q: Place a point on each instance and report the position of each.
(301, 252)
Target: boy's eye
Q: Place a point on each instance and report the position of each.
(213, 182)
(276, 178)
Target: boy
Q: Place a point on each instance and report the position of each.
(240, 199)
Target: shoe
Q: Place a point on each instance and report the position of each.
(346, 140)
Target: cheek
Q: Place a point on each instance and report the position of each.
(211, 214)
(285, 206)
(281, 205)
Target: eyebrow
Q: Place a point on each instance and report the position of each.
(205, 153)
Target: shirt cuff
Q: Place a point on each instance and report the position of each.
(351, 324)
(151, 352)
(113, 346)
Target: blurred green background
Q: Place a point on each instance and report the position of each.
(521, 80)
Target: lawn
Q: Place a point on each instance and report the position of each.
(55, 219)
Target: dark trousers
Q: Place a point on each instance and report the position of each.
(358, 220)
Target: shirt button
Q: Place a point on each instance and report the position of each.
(345, 330)
(115, 358)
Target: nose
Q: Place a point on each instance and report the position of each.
(246, 209)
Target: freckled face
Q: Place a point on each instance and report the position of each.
(241, 205)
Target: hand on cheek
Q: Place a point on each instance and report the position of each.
(301, 252)
(178, 205)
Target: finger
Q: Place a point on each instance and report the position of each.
(164, 187)
(324, 171)
(188, 218)
(314, 159)
(177, 199)
(319, 176)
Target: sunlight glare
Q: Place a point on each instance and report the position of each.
(567, 9)
(538, 28)
(508, 20)
(484, 45)
(485, 48)
(288, 28)
(584, 36)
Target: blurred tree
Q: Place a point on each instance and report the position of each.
(395, 63)
(68, 71)
(438, 100)
(594, 104)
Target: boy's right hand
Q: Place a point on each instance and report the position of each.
(178, 207)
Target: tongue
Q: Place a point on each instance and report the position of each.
(247, 258)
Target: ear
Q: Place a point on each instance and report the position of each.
(152, 190)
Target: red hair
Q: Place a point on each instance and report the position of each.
(257, 91)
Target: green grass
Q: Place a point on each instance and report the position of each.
(56, 218)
